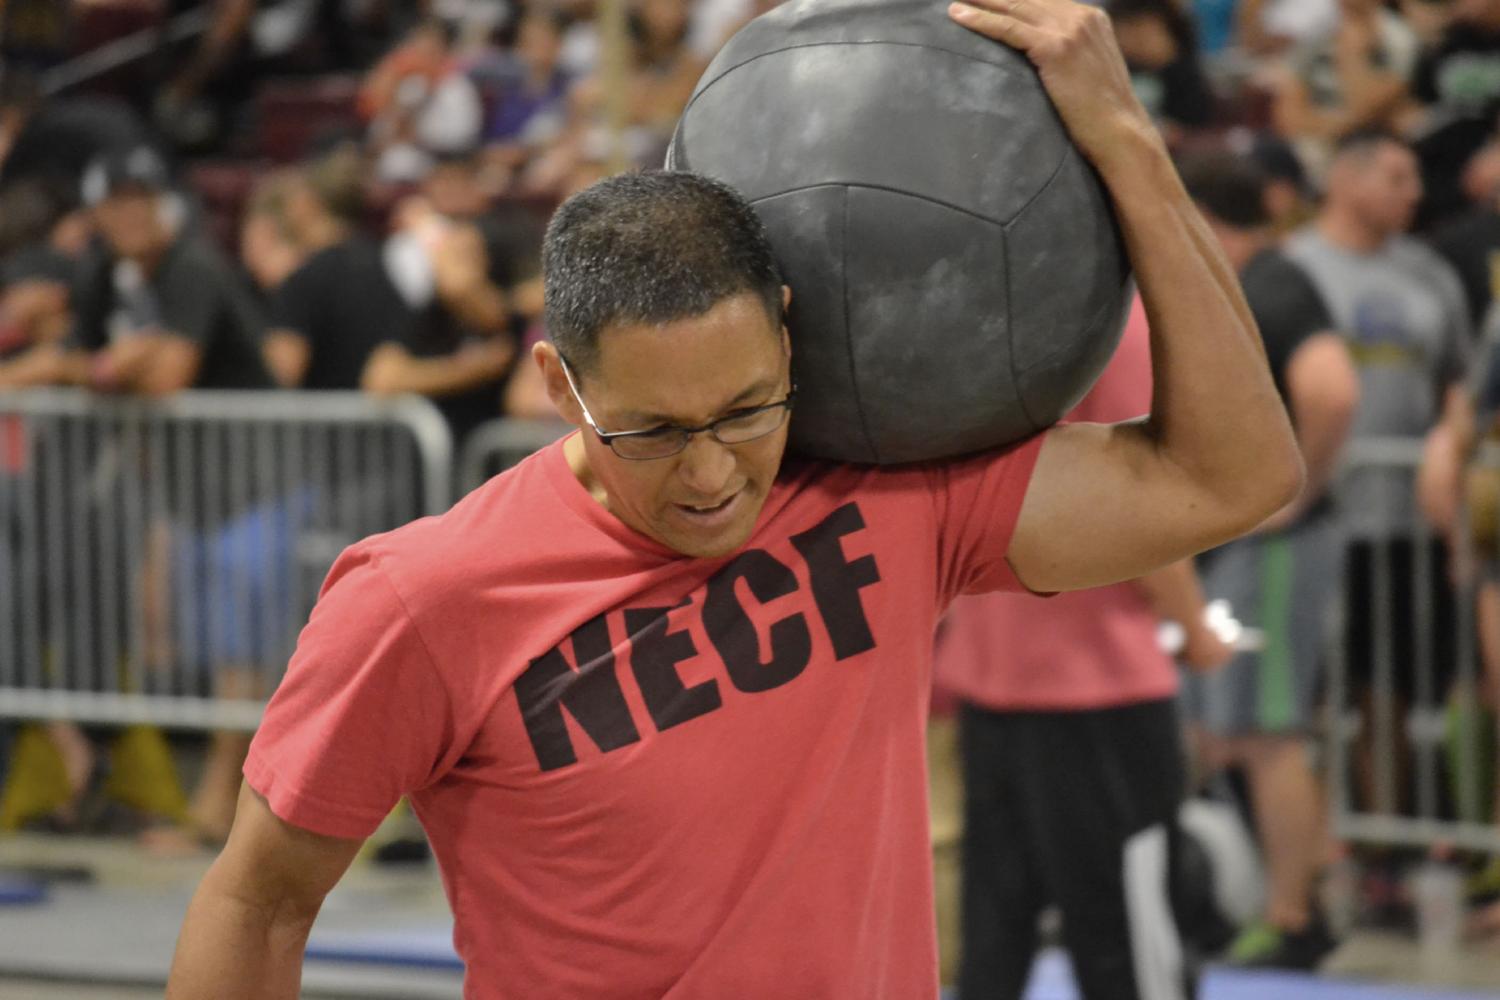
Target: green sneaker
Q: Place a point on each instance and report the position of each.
(1264, 946)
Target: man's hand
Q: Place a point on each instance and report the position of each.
(1203, 650)
(1074, 50)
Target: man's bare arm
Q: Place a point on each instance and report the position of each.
(1216, 456)
(247, 926)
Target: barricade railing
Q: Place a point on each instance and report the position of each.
(493, 447)
(157, 558)
(1408, 743)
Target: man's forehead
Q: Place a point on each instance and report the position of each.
(684, 376)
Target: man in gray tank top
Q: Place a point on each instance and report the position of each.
(1402, 309)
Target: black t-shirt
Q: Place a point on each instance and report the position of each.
(193, 293)
(1287, 308)
(1460, 79)
(512, 241)
(1472, 245)
(342, 303)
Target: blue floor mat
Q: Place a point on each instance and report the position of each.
(1051, 978)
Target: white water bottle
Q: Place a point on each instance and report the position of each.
(1438, 891)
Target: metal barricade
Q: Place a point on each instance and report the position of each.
(157, 558)
(1406, 747)
(493, 447)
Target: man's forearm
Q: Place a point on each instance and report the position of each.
(1215, 411)
(481, 307)
(1174, 593)
(230, 949)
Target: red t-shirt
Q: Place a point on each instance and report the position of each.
(1079, 650)
(645, 775)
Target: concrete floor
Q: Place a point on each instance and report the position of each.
(121, 932)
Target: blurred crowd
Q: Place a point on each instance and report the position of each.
(350, 194)
(412, 151)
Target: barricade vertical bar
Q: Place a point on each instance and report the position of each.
(1382, 696)
(1338, 712)
(271, 592)
(406, 482)
(138, 468)
(182, 517)
(206, 587)
(348, 473)
(29, 536)
(57, 652)
(1469, 794)
(298, 479)
(12, 481)
(1424, 586)
(80, 666)
(235, 536)
(371, 516)
(108, 510)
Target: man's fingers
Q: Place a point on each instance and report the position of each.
(1001, 27)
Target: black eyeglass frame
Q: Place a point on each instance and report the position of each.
(610, 437)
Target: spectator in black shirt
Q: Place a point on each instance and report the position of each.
(157, 307)
(338, 322)
(471, 280)
(337, 305)
(1471, 243)
(158, 310)
(1161, 50)
(1458, 83)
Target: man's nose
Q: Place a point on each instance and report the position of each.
(706, 465)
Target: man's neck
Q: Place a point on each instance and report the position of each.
(1345, 231)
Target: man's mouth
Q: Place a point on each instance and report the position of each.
(710, 515)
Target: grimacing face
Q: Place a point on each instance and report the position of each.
(704, 501)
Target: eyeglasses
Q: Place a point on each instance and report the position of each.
(739, 427)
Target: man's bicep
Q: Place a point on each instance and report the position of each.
(1105, 505)
(274, 863)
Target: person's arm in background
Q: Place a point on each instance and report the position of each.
(1216, 456)
(34, 322)
(1462, 399)
(1175, 595)
(392, 369)
(1323, 395)
(246, 928)
(287, 355)
(231, 19)
(460, 273)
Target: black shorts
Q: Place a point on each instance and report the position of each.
(1077, 810)
(1393, 621)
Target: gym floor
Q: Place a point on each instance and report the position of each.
(113, 939)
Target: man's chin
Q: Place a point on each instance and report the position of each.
(717, 546)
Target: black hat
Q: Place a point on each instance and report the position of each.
(129, 166)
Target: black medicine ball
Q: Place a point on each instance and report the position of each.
(958, 279)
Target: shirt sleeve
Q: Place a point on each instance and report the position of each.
(978, 503)
(361, 718)
(1289, 310)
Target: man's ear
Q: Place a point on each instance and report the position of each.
(550, 362)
